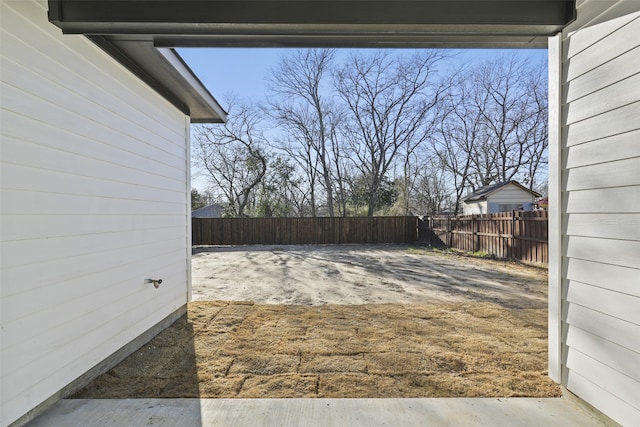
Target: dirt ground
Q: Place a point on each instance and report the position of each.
(424, 324)
(361, 274)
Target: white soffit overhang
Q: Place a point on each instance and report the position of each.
(142, 33)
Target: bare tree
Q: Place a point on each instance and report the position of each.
(300, 108)
(432, 192)
(341, 160)
(298, 145)
(389, 99)
(281, 193)
(234, 157)
(511, 99)
(494, 127)
(462, 137)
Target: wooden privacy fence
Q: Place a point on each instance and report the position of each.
(300, 231)
(516, 235)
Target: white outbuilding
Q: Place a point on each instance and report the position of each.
(501, 197)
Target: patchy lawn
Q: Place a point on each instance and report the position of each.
(479, 333)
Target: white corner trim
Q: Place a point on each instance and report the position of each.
(187, 137)
(555, 208)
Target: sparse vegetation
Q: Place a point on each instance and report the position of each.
(244, 350)
(429, 322)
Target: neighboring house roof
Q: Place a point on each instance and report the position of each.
(211, 211)
(486, 191)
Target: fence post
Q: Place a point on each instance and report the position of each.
(414, 229)
(474, 236)
(514, 237)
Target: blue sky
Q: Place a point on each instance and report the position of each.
(241, 71)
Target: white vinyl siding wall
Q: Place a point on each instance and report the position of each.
(509, 194)
(94, 200)
(600, 181)
(475, 208)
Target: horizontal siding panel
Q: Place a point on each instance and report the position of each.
(132, 266)
(620, 332)
(619, 9)
(75, 132)
(624, 387)
(95, 267)
(22, 330)
(28, 178)
(30, 150)
(605, 49)
(507, 195)
(133, 273)
(23, 153)
(108, 316)
(614, 122)
(617, 357)
(606, 99)
(608, 251)
(131, 109)
(17, 202)
(598, 274)
(615, 304)
(77, 55)
(605, 75)
(25, 226)
(30, 252)
(48, 93)
(77, 356)
(589, 37)
(601, 208)
(121, 150)
(606, 226)
(82, 122)
(592, 12)
(617, 147)
(605, 401)
(24, 178)
(618, 173)
(588, 10)
(604, 200)
(82, 136)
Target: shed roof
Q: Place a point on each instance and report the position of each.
(210, 211)
(486, 191)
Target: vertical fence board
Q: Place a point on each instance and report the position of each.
(516, 235)
(297, 231)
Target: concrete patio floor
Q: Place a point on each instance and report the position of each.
(468, 412)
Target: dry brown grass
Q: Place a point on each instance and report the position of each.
(244, 350)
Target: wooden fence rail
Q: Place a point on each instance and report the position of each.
(300, 231)
(516, 235)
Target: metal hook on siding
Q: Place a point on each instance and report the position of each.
(156, 282)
